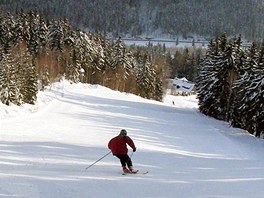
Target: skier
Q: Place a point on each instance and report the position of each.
(119, 149)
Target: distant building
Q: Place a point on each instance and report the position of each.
(181, 86)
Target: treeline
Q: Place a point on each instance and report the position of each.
(184, 62)
(35, 52)
(147, 17)
(230, 84)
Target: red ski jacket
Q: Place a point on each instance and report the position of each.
(118, 145)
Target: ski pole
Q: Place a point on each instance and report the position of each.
(97, 160)
(131, 155)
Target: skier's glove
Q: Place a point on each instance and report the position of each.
(134, 150)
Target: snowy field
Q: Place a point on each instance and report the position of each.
(45, 148)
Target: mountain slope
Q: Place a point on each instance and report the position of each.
(152, 18)
(45, 148)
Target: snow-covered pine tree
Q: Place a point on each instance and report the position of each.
(228, 74)
(119, 63)
(44, 78)
(27, 77)
(42, 33)
(90, 55)
(107, 59)
(238, 58)
(253, 93)
(33, 43)
(31, 82)
(158, 87)
(241, 109)
(257, 92)
(55, 35)
(80, 56)
(144, 76)
(56, 45)
(99, 53)
(72, 58)
(69, 38)
(217, 75)
(1, 72)
(6, 32)
(9, 91)
(73, 68)
(23, 21)
(68, 33)
(258, 100)
(36, 33)
(207, 79)
(130, 76)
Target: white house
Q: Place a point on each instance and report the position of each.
(180, 86)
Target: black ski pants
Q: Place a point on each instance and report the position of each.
(125, 160)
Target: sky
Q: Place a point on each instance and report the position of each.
(45, 148)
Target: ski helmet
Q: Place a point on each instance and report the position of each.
(123, 132)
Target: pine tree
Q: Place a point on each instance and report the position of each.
(207, 79)
(257, 93)
(27, 79)
(31, 85)
(45, 78)
(2, 64)
(119, 63)
(252, 93)
(9, 90)
(36, 34)
(242, 100)
(6, 34)
(219, 70)
(158, 86)
(99, 53)
(55, 35)
(129, 76)
(144, 77)
(258, 100)
(73, 68)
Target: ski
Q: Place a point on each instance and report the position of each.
(142, 173)
(136, 173)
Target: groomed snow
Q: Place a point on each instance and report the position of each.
(45, 148)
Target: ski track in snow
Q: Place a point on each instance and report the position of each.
(45, 148)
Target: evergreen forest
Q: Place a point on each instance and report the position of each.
(35, 52)
(230, 83)
(207, 18)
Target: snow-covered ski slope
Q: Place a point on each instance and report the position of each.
(45, 148)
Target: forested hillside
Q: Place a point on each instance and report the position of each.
(34, 52)
(153, 18)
